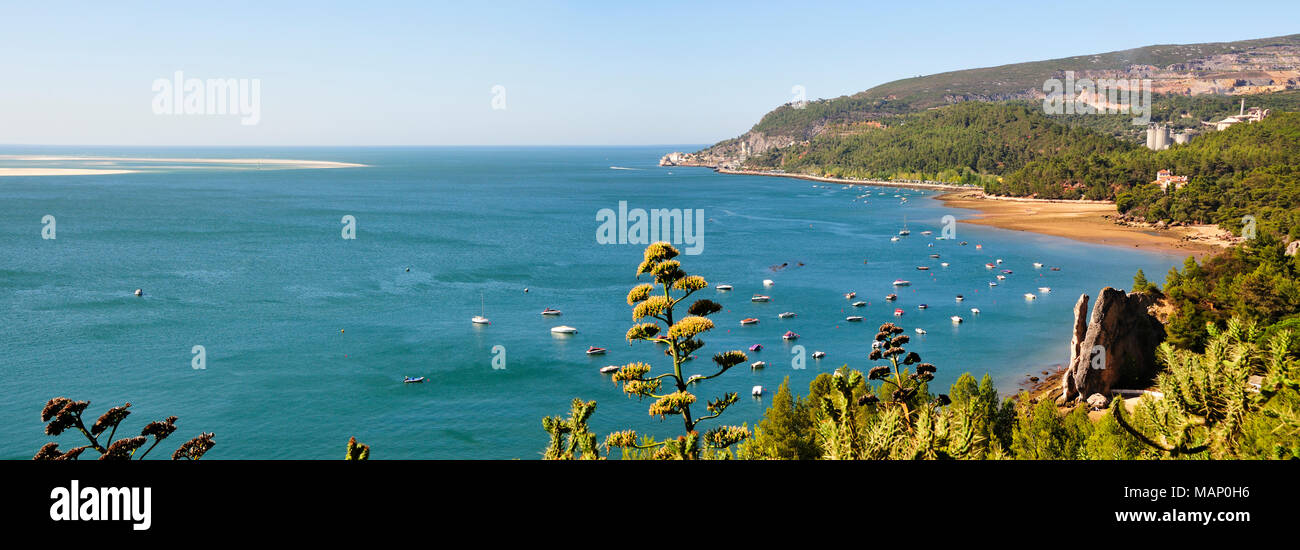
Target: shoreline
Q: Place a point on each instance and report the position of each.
(1087, 221)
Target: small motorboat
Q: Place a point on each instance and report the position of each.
(724, 288)
(850, 296)
(1007, 271)
(979, 246)
(818, 354)
(902, 282)
(413, 380)
(927, 232)
(898, 312)
(956, 319)
(1044, 289)
(1056, 269)
(609, 369)
(935, 256)
(893, 239)
(960, 297)
(1037, 265)
(920, 330)
(563, 329)
(550, 311)
(749, 321)
(922, 306)
(904, 232)
(1031, 296)
(1002, 277)
(768, 282)
(859, 303)
(789, 335)
(756, 347)
(975, 310)
(989, 266)
(139, 292)
(999, 261)
(922, 268)
(875, 345)
(853, 318)
(785, 314)
(963, 243)
(891, 297)
(991, 283)
(757, 365)
(760, 298)
(758, 391)
(593, 350)
(944, 264)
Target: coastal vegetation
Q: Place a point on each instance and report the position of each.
(62, 414)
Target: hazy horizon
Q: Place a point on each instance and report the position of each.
(511, 74)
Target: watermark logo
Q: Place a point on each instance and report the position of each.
(48, 229)
(1248, 227)
(349, 227)
(949, 228)
(800, 99)
(1098, 358)
(498, 98)
(75, 503)
(800, 359)
(498, 357)
(215, 96)
(1086, 96)
(637, 226)
(200, 359)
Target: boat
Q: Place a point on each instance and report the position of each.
(859, 303)
(999, 261)
(936, 256)
(480, 319)
(975, 310)
(1007, 271)
(757, 365)
(922, 306)
(1044, 289)
(927, 232)
(1031, 296)
(850, 296)
(876, 344)
(724, 288)
(609, 369)
(563, 329)
(853, 318)
(789, 335)
(785, 314)
(1002, 277)
(898, 312)
(901, 282)
(956, 319)
(768, 282)
(922, 268)
(593, 350)
(756, 347)
(991, 283)
(989, 266)
(749, 321)
(891, 297)
(1056, 269)
(818, 354)
(413, 380)
(758, 391)
(963, 243)
(1037, 265)
(960, 297)
(893, 239)
(944, 264)
(760, 298)
(139, 292)
(904, 231)
(549, 311)
(920, 330)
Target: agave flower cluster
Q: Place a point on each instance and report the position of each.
(905, 386)
(61, 414)
(655, 308)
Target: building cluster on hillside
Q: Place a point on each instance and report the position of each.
(1254, 114)
(1165, 178)
(1160, 137)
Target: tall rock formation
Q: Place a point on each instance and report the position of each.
(1115, 348)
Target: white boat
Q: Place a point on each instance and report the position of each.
(960, 297)
(563, 329)
(480, 319)
(551, 312)
(975, 310)
(785, 314)
(760, 298)
(901, 282)
(853, 318)
(1002, 277)
(768, 282)
(1044, 289)
(609, 369)
(859, 304)
(1037, 265)
(991, 283)
(1031, 296)
(724, 288)
(894, 239)
(758, 391)
(850, 296)
(757, 365)
(818, 354)
(944, 264)
(920, 330)
(139, 292)
(999, 261)
(956, 319)
(927, 232)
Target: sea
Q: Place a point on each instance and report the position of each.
(304, 336)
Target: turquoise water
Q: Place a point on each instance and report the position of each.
(308, 335)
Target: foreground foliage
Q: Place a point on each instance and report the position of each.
(62, 414)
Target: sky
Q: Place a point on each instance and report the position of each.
(526, 73)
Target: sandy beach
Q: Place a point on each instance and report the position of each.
(1084, 221)
(272, 164)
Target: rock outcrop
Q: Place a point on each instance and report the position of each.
(1115, 348)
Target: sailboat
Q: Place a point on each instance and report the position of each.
(480, 319)
(904, 231)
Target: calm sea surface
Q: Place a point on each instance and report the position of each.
(308, 335)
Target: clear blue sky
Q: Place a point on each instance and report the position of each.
(421, 73)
